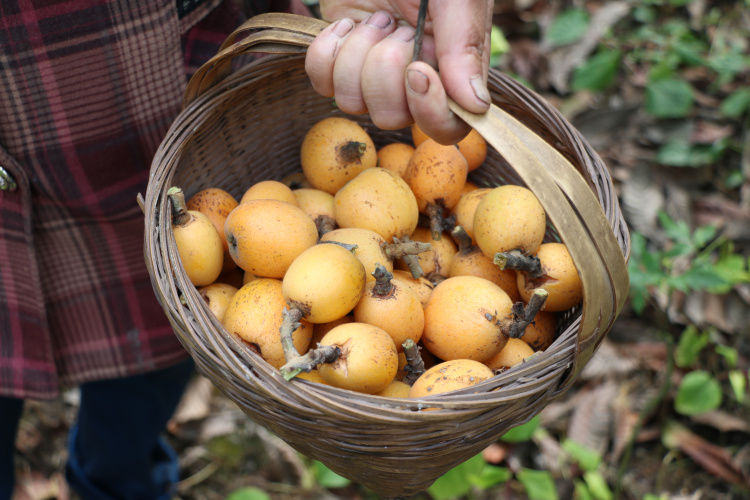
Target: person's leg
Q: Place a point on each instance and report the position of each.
(115, 448)
(10, 413)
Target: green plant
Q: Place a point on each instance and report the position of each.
(691, 260)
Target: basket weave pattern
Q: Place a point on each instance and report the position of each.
(248, 128)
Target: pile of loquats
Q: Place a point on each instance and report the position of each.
(383, 271)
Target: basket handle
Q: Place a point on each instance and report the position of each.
(563, 192)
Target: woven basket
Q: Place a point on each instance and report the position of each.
(241, 127)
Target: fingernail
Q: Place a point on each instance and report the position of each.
(379, 20)
(480, 89)
(404, 34)
(417, 82)
(342, 27)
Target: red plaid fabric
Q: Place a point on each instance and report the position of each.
(88, 89)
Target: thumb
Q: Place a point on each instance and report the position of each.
(461, 31)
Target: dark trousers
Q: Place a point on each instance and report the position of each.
(116, 449)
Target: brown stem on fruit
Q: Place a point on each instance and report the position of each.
(180, 215)
(296, 363)
(516, 260)
(411, 260)
(465, 244)
(349, 246)
(324, 224)
(436, 222)
(310, 360)
(414, 363)
(521, 315)
(289, 325)
(352, 151)
(446, 223)
(400, 249)
(383, 286)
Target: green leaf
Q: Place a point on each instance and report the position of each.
(675, 230)
(733, 269)
(250, 493)
(690, 345)
(729, 354)
(644, 14)
(734, 179)
(676, 153)
(703, 235)
(598, 72)
(498, 46)
(490, 476)
(522, 432)
(689, 50)
(703, 277)
(699, 392)
(669, 98)
(680, 153)
(568, 27)
(326, 478)
(736, 103)
(738, 382)
(581, 491)
(539, 484)
(498, 43)
(598, 486)
(586, 458)
(677, 250)
(455, 482)
(727, 63)
(637, 300)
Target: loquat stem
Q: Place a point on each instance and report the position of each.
(411, 260)
(436, 221)
(446, 223)
(289, 325)
(521, 315)
(180, 215)
(435, 278)
(516, 260)
(383, 285)
(352, 151)
(400, 249)
(414, 363)
(310, 360)
(324, 224)
(296, 363)
(465, 244)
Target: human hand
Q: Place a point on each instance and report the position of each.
(364, 60)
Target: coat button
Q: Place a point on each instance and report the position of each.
(7, 182)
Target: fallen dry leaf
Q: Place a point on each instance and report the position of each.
(591, 422)
(625, 421)
(713, 458)
(708, 132)
(195, 403)
(722, 421)
(608, 361)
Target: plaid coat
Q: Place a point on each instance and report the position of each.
(88, 89)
